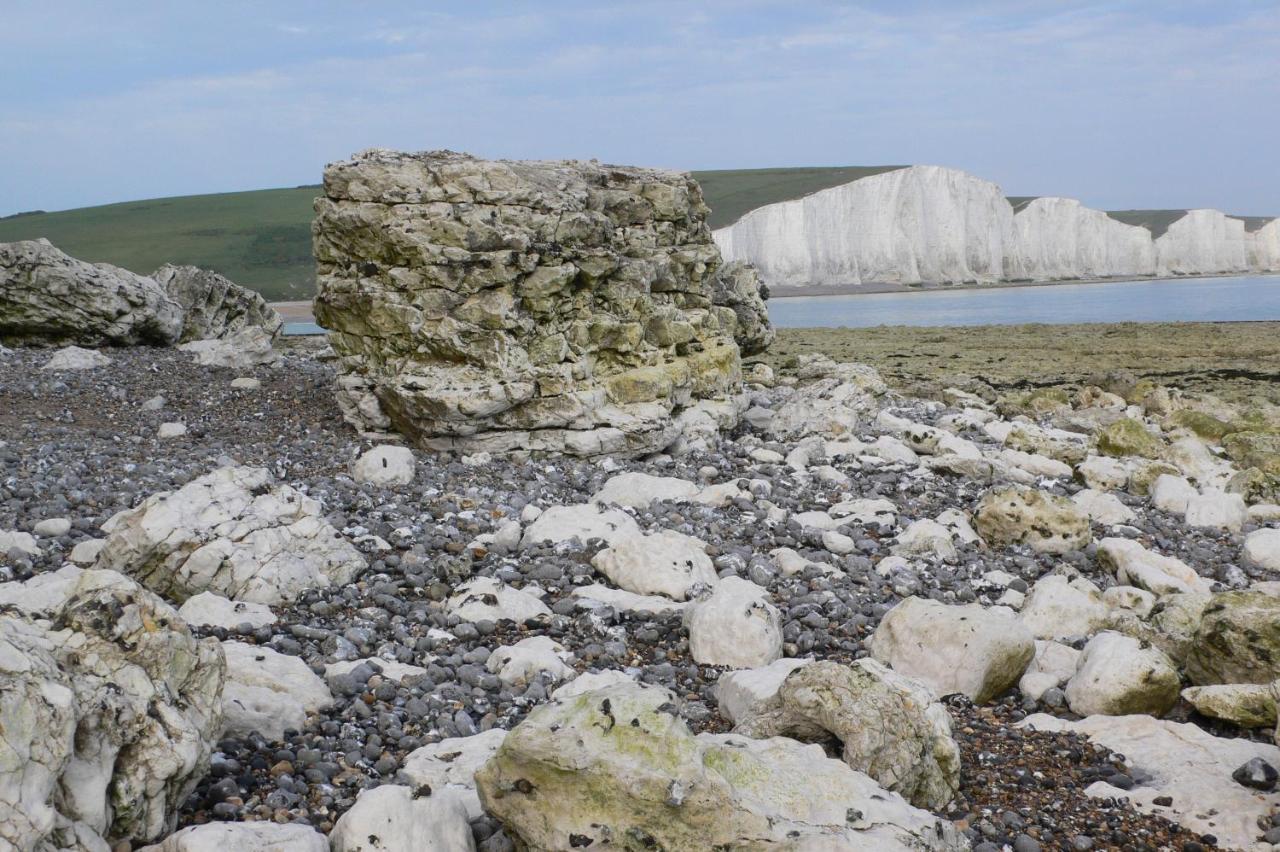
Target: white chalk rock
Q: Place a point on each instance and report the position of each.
(451, 764)
(52, 527)
(1135, 565)
(84, 553)
(75, 358)
(1058, 608)
(385, 465)
(209, 610)
(171, 430)
(24, 543)
(387, 669)
(1102, 508)
(246, 383)
(1262, 549)
(1104, 474)
(232, 532)
(268, 692)
(243, 837)
(969, 649)
(1053, 665)
(865, 511)
(1117, 676)
(597, 595)
(393, 817)
(639, 490)
(248, 347)
(925, 538)
(740, 692)
(582, 522)
(590, 682)
(487, 599)
(735, 626)
(1217, 510)
(520, 663)
(664, 563)
(1171, 493)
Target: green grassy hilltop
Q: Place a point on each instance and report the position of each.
(262, 239)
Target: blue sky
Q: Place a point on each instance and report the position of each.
(1123, 104)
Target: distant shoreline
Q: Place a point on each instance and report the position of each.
(809, 291)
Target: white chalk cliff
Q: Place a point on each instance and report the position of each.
(934, 225)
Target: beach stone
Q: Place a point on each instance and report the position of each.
(596, 595)
(639, 490)
(1104, 474)
(741, 692)
(243, 837)
(209, 610)
(52, 527)
(592, 681)
(385, 465)
(734, 625)
(1217, 510)
(388, 669)
(451, 765)
(1262, 549)
(171, 430)
(1249, 705)
(1058, 608)
(1128, 437)
(1187, 766)
(49, 297)
(248, 347)
(1052, 666)
(109, 709)
(1017, 515)
(1172, 493)
(75, 358)
(925, 538)
(446, 308)
(617, 763)
(737, 286)
(246, 383)
(1135, 565)
(232, 532)
(891, 727)
(21, 542)
(662, 563)
(268, 692)
(84, 553)
(1103, 508)
(520, 663)
(1117, 676)
(489, 599)
(214, 306)
(968, 649)
(584, 522)
(394, 817)
(1237, 641)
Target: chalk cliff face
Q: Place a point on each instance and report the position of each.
(1202, 241)
(1061, 238)
(1264, 247)
(934, 225)
(912, 225)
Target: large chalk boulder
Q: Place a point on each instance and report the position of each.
(47, 296)
(1117, 676)
(890, 726)
(968, 649)
(268, 692)
(618, 765)
(394, 817)
(451, 764)
(534, 306)
(243, 837)
(233, 532)
(214, 306)
(1046, 522)
(109, 710)
(1237, 641)
(662, 563)
(734, 625)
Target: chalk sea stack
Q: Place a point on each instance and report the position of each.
(501, 305)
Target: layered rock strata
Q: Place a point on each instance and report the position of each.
(501, 305)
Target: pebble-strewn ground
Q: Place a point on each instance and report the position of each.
(84, 446)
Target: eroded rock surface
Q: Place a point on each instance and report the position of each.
(501, 305)
(214, 306)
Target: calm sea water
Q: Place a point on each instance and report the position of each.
(1180, 300)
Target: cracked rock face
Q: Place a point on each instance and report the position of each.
(502, 305)
(109, 708)
(47, 296)
(738, 286)
(618, 767)
(232, 532)
(214, 306)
